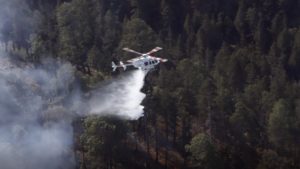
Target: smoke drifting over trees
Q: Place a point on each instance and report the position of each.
(228, 98)
(35, 132)
(38, 104)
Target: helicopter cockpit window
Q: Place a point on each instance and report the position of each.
(146, 63)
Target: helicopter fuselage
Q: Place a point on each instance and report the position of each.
(145, 62)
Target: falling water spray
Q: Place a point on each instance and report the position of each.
(120, 97)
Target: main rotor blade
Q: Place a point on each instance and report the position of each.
(132, 51)
(156, 49)
(160, 59)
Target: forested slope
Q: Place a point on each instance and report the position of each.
(227, 98)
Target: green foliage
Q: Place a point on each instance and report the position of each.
(230, 64)
(282, 124)
(294, 60)
(138, 35)
(190, 73)
(271, 160)
(240, 22)
(75, 31)
(102, 141)
(203, 152)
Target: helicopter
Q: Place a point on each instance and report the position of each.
(144, 61)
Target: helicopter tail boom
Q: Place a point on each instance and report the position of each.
(114, 66)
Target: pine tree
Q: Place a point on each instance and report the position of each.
(282, 125)
(240, 23)
(204, 152)
(138, 35)
(294, 60)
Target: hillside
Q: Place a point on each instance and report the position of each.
(229, 97)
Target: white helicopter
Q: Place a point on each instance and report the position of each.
(145, 61)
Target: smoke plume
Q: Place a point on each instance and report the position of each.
(33, 133)
(38, 103)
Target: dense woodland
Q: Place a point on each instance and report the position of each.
(229, 97)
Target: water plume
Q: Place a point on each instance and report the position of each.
(120, 97)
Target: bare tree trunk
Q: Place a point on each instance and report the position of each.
(88, 70)
(166, 157)
(136, 137)
(110, 164)
(167, 139)
(27, 51)
(107, 164)
(156, 143)
(13, 46)
(147, 134)
(148, 145)
(175, 132)
(83, 165)
(146, 138)
(167, 126)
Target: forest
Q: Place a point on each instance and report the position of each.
(229, 96)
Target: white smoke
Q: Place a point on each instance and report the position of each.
(38, 103)
(30, 136)
(121, 97)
